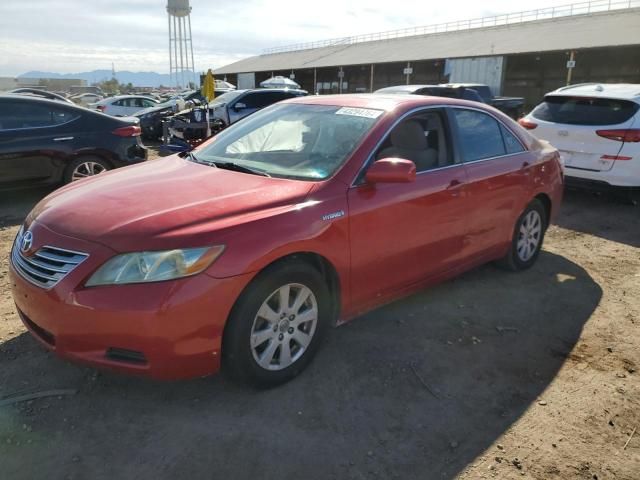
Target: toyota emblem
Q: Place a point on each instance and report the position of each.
(27, 242)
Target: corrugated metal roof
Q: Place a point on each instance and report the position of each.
(621, 27)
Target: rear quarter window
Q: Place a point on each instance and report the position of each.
(584, 110)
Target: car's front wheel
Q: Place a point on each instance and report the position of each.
(277, 325)
(528, 236)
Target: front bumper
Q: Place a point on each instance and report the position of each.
(165, 330)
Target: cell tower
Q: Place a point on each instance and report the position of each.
(181, 65)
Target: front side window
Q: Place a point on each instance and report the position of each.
(479, 135)
(307, 142)
(421, 138)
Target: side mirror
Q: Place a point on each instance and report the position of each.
(391, 170)
(239, 106)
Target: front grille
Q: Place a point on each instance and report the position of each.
(47, 266)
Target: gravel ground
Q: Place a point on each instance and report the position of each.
(492, 375)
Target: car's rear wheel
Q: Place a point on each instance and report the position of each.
(84, 167)
(528, 236)
(277, 325)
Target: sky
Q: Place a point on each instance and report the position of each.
(71, 36)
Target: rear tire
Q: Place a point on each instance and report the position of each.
(83, 167)
(268, 340)
(528, 236)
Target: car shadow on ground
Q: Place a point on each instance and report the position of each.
(417, 389)
(15, 205)
(604, 215)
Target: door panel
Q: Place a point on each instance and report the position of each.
(24, 156)
(498, 170)
(498, 189)
(403, 233)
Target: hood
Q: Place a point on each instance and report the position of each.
(163, 204)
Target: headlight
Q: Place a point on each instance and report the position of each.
(143, 267)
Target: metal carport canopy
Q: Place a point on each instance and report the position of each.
(606, 29)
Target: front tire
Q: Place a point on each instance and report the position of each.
(277, 325)
(528, 236)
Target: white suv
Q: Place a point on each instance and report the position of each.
(596, 127)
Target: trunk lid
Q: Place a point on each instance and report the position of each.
(571, 124)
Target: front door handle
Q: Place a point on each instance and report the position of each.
(62, 139)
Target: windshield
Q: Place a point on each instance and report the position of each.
(307, 142)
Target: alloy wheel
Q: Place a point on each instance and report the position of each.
(529, 235)
(87, 169)
(284, 326)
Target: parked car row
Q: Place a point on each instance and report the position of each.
(304, 214)
(226, 110)
(241, 254)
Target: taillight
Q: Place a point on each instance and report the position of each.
(130, 131)
(527, 124)
(623, 135)
(102, 108)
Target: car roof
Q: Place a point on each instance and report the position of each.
(246, 90)
(46, 101)
(465, 85)
(122, 97)
(382, 101)
(405, 88)
(627, 91)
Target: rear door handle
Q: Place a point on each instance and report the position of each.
(454, 186)
(62, 139)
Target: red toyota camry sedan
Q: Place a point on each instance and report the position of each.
(243, 253)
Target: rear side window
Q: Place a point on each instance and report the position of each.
(17, 115)
(479, 135)
(584, 111)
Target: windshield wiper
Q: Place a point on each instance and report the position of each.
(227, 165)
(236, 167)
(191, 156)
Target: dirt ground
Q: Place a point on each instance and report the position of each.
(492, 375)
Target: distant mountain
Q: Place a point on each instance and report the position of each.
(138, 79)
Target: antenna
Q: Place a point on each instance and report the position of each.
(181, 64)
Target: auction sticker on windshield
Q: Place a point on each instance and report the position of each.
(359, 112)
